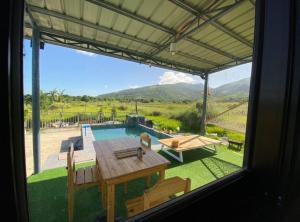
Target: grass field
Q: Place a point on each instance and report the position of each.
(167, 116)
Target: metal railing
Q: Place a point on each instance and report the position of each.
(72, 119)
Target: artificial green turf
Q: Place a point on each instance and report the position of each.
(47, 191)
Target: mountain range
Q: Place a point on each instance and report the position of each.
(182, 91)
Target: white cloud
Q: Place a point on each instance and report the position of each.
(85, 53)
(134, 87)
(171, 77)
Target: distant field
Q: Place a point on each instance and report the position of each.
(163, 114)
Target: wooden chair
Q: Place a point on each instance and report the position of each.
(79, 179)
(145, 140)
(158, 194)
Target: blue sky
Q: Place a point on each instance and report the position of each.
(82, 73)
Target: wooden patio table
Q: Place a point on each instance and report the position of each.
(115, 171)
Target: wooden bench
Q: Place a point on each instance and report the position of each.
(179, 144)
(239, 144)
(77, 179)
(158, 194)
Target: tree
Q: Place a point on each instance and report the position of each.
(27, 99)
(199, 107)
(45, 101)
(85, 99)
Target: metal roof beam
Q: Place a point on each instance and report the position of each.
(241, 61)
(200, 26)
(89, 24)
(94, 26)
(211, 48)
(189, 56)
(231, 33)
(213, 22)
(131, 15)
(140, 56)
(116, 9)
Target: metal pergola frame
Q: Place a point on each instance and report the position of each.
(209, 17)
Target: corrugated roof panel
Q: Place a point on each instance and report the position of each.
(101, 36)
(42, 20)
(244, 28)
(113, 40)
(88, 32)
(73, 28)
(237, 50)
(207, 36)
(54, 5)
(133, 28)
(166, 14)
(122, 24)
(36, 3)
(57, 24)
(236, 13)
(106, 18)
(201, 52)
(73, 8)
(144, 8)
(228, 44)
(157, 36)
(176, 18)
(249, 35)
(124, 43)
(200, 4)
(243, 52)
(91, 13)
(162, 12)
(242, 20)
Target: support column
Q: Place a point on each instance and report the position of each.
(36, 99)
(204, 105)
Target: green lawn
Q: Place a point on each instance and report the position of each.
(47, 190)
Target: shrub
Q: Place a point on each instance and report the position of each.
(236, 136)
(224, 132)
(156, 113)
(122, 107)
(190, 120)
(165, 123)
(216, 129)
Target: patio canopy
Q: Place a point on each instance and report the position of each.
(193, 36)
(206, 36)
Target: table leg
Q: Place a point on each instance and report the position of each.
(161, 174)
(125, 187)
(148, 181)
(110, 203)
(104, 195)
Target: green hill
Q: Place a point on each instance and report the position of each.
(183, 91)
(239, 87)
(171, 92)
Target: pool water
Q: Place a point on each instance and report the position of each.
(114, 133)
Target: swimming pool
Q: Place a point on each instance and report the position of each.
(101, 133)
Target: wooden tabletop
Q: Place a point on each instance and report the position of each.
(111, 167)
(189, 142)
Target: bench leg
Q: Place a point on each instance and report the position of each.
(70, 204)
(178, 158)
